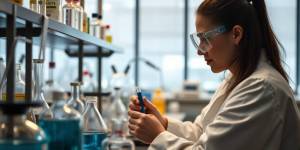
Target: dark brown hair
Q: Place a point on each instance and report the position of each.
(258, 34)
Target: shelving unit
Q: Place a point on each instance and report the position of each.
(19, 21)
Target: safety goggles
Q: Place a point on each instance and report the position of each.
(201, 41)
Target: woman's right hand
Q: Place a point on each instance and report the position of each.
(150, 109)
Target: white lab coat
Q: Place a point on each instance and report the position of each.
(259, 114)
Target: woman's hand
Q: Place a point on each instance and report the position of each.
(145, 127)
(150, 109)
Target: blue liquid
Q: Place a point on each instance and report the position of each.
(23, 146)
(62, 134)
(93, 140)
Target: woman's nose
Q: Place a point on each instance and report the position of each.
(200, 52)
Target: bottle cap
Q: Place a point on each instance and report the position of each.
(100, 17)
(75, 83)
(51, 64)
(95, 15)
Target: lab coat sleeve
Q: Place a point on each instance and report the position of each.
(245, 122)
(188, 130)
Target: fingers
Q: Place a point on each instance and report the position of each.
(134, 107)
(148, 104)
(133, 121)
(135, 114)
(132, 127)
(134, 100)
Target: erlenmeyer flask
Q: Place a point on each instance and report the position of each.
(94, 128)
(75, 101)
(38, 95)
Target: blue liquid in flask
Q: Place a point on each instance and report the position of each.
(62, 134)
(23, 145)
(93, 140)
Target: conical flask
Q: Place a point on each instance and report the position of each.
(75, 101)
(94, 127)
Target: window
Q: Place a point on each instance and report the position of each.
(197, 67)
(161, 42)
(120, 15)
(283, 20)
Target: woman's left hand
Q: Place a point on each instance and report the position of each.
(145, 127)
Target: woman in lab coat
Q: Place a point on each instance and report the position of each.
(253, 108)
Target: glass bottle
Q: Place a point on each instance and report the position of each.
(19, 86)
(38, 6)
(53, 9)
(75, 101)
(85, 17)
(94, 127)
(51, 85)
(17, 133)
(95, 26)
(2, 69)
(64, 128)
(118, 140)
(79, 14)
(34, 5)
(116, 110)
(68, 14)
(159, 101)
(38, 94)
(108, 35)
(88, 84)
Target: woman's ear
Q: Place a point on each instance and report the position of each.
(237, 34)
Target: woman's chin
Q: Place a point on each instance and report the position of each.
(216, 70)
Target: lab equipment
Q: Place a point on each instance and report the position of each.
(19, 86)
(17, 133)
(38, 6)
(159, 101)
(38, 95)
(140, 98)
(63, 129)
(73, 14)
(118, 140)
(54, 9)
(75, 101)
(115, 111)
(94, 127)
(51, 84)
(96, 26)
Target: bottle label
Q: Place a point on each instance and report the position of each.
(53, 9)
(18, 97)
(108, 38)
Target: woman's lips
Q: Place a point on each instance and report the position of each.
(208, 61)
